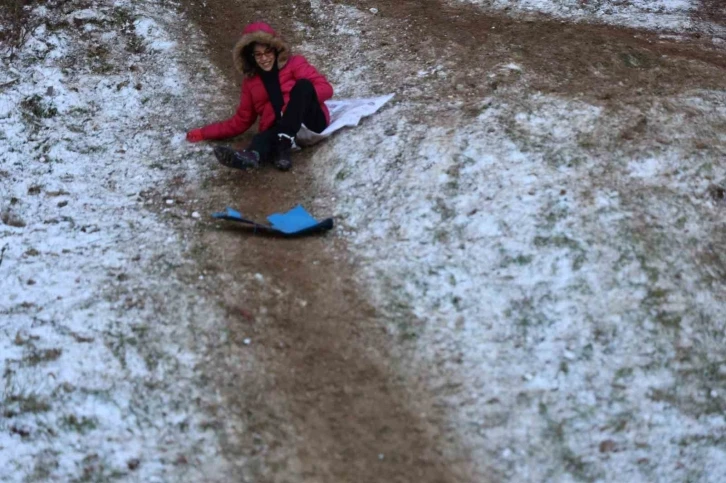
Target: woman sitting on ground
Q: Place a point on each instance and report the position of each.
(282, 89)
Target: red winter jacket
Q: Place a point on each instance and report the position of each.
(254, 101)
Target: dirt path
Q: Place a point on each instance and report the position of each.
(324, 399)
(321, 402)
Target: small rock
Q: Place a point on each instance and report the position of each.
(247, 315)
(22, 431)
(61, 204)
(133, 463)
(373, 10)
(607, 446)
(717, 192)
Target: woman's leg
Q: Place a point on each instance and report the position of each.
(302, 108)
(261, 148)
(264, 142)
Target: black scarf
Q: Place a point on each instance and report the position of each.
(271, 80)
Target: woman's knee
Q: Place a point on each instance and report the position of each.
(303, 86)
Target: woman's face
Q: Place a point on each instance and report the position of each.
(264, 56)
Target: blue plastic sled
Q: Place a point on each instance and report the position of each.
(295, 222)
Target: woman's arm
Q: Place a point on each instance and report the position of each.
(237, 124)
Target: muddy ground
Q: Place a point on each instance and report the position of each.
(326, 399)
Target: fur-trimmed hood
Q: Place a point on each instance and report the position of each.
(262, 33)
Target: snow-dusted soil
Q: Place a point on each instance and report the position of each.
(650, 14)
(539, 221)
(555, 261)
(578, 296)
(101, 324)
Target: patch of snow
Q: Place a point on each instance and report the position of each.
(528, 255)
(651, 14)
(646, 168)
(99, 330)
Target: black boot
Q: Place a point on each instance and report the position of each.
(237, 159)
(282, 156)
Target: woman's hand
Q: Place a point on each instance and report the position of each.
(195, 135)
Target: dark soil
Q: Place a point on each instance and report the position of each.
(712, 11)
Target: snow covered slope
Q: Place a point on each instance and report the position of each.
(651, 14)
(551, 260)
(98, 356)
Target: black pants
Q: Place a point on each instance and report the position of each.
(302, 108)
